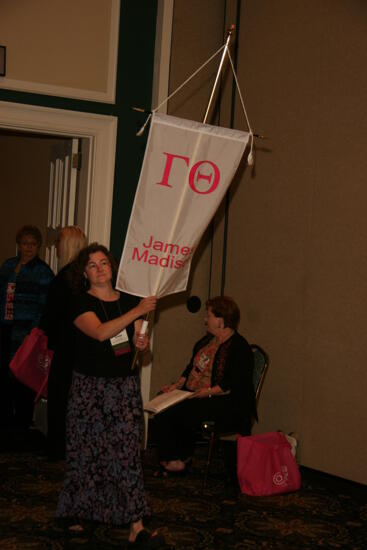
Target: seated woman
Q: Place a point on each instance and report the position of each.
(220, 377)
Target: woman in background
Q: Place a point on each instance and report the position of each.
(61, 338)
(24, 282)
(104, 475)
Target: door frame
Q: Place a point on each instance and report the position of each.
(101, 132)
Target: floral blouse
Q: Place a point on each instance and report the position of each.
(201, 373)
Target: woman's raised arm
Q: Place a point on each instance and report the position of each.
(89, 323)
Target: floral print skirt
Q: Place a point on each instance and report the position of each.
(104, 475)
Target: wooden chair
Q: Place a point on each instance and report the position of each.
(261, 363)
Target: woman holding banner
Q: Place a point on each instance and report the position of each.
(219, 376)
(104, 477)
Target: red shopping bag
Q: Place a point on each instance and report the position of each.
(265, 465)
(31, 362)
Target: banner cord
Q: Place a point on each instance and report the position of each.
(141, 131)
(250, 158)
(190, 77)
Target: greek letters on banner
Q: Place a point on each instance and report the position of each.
(187, 168)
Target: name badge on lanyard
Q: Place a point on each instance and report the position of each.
(120, 343)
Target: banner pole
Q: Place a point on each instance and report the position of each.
(135, 358)
(184, 191)
(230, 33)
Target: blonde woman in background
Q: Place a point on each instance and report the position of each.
(70, 241)
(56, 323)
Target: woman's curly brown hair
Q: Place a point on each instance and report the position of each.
(76, 275)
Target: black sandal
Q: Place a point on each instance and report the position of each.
(145, 539)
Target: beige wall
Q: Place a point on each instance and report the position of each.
(80, 36)
(25, 169)
(300, 223)
(296, 255)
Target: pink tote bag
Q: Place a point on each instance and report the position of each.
(31, 362)
(265, 465)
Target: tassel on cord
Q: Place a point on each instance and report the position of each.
(142, 129)
(251, 155)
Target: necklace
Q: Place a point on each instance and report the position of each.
(104, 309)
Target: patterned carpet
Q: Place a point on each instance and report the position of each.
(327, 512)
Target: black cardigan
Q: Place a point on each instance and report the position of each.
(232, 370)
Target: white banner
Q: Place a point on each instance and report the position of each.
(187, 169)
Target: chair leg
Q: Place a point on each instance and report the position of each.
(209, 457)
(230, 460)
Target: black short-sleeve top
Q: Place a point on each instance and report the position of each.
(95, 358)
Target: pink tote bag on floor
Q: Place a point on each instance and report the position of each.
(266, 466)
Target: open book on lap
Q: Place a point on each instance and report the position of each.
(165, 400)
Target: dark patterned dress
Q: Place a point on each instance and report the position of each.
(104, 476)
